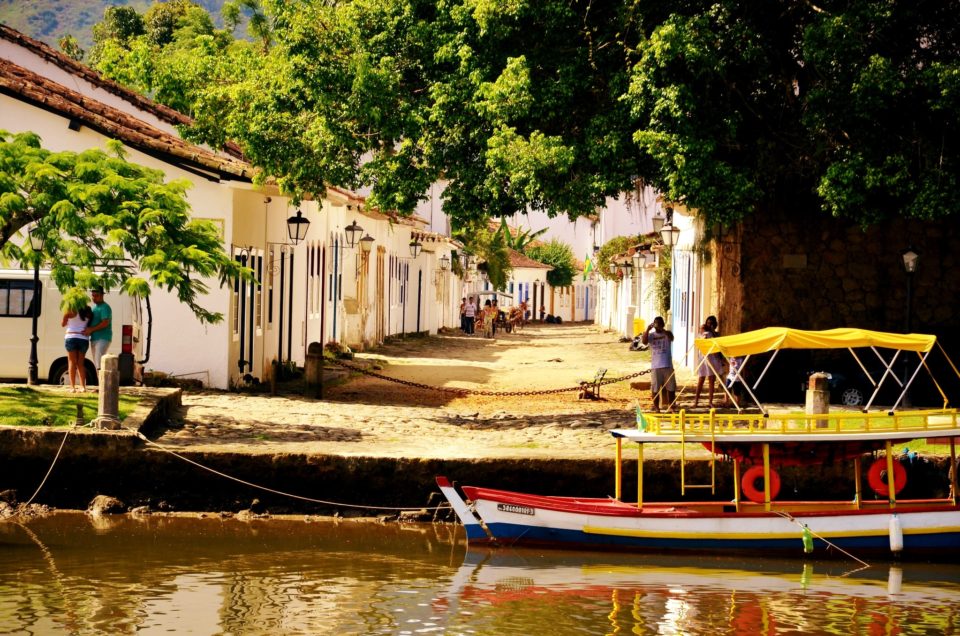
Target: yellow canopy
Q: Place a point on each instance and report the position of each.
(773, 338)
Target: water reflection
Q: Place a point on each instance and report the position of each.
(64, 575)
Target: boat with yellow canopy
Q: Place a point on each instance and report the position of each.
(753, 446)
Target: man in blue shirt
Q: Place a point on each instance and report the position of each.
(100, 328)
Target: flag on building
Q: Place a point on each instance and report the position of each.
(587, 267)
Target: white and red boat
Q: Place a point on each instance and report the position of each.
(754, 446)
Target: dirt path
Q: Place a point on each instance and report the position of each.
(372, 417)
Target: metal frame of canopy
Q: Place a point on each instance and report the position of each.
(776, 338)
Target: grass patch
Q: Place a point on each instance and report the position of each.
(26, 406)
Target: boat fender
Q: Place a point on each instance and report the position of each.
(877, 477)
(894, 581)
(896, 535)
(807, 539)
(749, 484)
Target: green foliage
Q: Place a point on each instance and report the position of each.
(522, 239)
(175, 54)
(661, 289)
(613, 247)
(106, 221)
(559, 256)
(849, 108)
(491, 251)
(71, 48)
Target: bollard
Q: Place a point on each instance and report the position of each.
(818, 397)
(79, 421)
(108, 413)
(313, 369)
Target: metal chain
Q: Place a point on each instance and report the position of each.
(444, 389)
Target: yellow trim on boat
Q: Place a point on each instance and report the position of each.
(712, 534)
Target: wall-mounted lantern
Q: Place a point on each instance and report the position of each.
(297, 227)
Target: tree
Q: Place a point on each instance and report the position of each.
(106, 221)
(522, 239)
(490, 249)
(175, 52)
(559, 256)
(849, 108)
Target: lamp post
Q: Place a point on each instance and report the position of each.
(297, 227)
(36, 244)
(910, 258)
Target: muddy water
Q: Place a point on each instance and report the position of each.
(67, 574)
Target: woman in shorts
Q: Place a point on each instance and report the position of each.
(77, 343)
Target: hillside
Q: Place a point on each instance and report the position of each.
(49, 20)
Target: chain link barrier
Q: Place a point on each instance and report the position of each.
(459, 391)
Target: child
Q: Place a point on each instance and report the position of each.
(734, 381)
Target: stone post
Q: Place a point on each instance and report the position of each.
(108, 412)
(818, 397)
(313, 369)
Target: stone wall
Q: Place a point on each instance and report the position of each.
(824, 273)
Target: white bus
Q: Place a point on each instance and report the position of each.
(16, 326)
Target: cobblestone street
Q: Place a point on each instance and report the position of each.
(365, 416)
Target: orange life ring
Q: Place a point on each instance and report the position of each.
(877, 477)
(749, 484)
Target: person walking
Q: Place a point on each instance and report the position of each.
(100, 328)
(469, 314)
(712, 366)
(662, 377)
(463, 315)
(76, 342)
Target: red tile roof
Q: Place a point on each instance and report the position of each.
(522, 260)
(29, 87)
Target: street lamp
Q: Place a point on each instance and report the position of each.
(415, 247)
(36, 244)
(658, 222)
(352, 231)
(444, 263)
(612, 268)
(366, 244)
(297, 227)
(910, 258)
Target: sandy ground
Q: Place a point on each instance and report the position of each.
(367, 416)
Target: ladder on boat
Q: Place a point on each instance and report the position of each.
(683, 457)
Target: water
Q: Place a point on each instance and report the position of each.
(69, 574)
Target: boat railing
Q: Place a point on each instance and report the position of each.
(747, 424)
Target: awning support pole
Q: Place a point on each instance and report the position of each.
(857, 482)
(736, 484)
(888, 370)
(891, 479)
(639, 475)
(953, 469)
(766, 477)
(764, 372)
(618, 472)
(906, 388)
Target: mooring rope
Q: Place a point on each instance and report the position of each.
(50, 470)
(282, 493)
(789, 517)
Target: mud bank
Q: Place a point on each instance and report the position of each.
(122, 465)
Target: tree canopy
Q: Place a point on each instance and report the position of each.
(843, 107)
(559, 256)
(105, 221)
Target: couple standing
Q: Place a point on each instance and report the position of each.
(87, 329)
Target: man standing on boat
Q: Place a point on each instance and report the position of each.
(662, 378)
